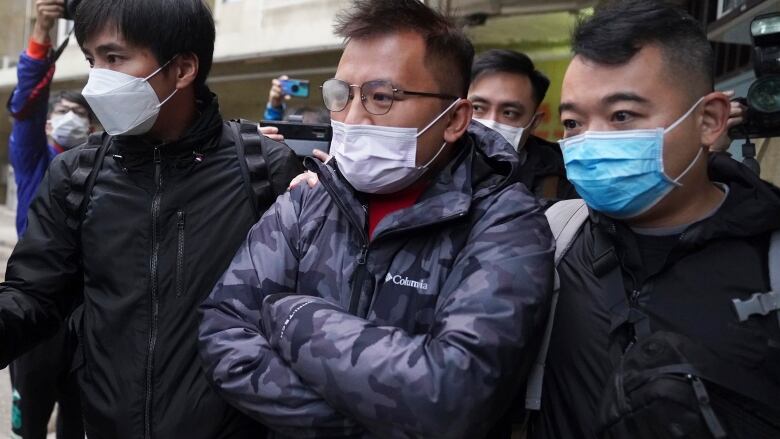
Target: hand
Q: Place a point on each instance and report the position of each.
(47, 13)
(275, 96)
(736, 117)
(310, 177)
(270, 132)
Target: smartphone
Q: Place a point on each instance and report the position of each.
(303, 138)
(297, 88)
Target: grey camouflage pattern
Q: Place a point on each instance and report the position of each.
(455, 292)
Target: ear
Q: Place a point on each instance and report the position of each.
(714, 117)
(538, 118)
(186, 67)
(49, 128)
(459, 121)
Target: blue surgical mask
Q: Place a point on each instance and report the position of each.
(621, 173)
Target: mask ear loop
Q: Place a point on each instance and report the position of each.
(437, 118)
(158, 71)
(676, 181)
(425, 166)
(684, 116)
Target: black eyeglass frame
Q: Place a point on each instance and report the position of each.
(384, 81)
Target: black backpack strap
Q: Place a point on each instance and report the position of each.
(83, 178)
(266, 166)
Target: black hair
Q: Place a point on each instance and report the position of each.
(166, 27)
(619, 29)
(509, 61)
(70, 96)
(449, 52)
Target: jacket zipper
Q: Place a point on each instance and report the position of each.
(153, 267)
(361, 271)
(180, 254)
(358, 280)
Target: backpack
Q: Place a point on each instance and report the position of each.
(658, 389)
(266, 168)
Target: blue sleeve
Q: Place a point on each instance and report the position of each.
(28, 148)
(273, 113)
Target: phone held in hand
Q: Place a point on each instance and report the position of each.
(297, 88)
(303, 138)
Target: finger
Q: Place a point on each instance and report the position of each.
(284, 78)
(51, 10)
(312, 179)
(734, 122)
(40, 3)
(321, 155)
(728, 93)
(267, 130)
(298, 179)
(276, 137)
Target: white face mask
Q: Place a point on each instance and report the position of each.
(124, 104)
(69, 129)
(377, 159)
(513, 135)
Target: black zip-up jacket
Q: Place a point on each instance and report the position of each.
(162, 225)
(542, 166)
(715, 260)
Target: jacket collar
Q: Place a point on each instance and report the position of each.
(484, 163)
(751, 208)
(201, 137)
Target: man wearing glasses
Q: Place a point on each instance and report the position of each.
(401, 295)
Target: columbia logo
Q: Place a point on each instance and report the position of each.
(406, 282)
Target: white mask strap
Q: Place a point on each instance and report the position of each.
(168, 98)
(676, 181)
(160, 69)
(425, 166)
(684, 116)
(438, 118)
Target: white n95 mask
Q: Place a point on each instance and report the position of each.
(124, 104)
(513, 135)
(69, 129)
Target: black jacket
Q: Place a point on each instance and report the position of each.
(542, 165)
(161, 226)
(715, 260)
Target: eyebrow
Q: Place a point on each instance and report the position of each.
(517, 104)
(624, 97)
(609, 100)
(105, 48)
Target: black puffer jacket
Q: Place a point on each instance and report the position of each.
(162, 225)
(715, 260)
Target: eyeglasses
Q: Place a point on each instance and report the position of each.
(376, 96)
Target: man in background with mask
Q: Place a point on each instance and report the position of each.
(40, 131)
(507, 91)
(402, 295)
(674, 248)
(143, 219)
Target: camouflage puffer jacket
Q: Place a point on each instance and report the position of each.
(424, 331)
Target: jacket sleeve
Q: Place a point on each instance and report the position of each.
(455, 380)
(283, 166)
(28, 145)
(44, 271)
(234, 352)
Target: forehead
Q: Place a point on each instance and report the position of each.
(646, 75)
(398, 57)
(498, 87)
(64, 103)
